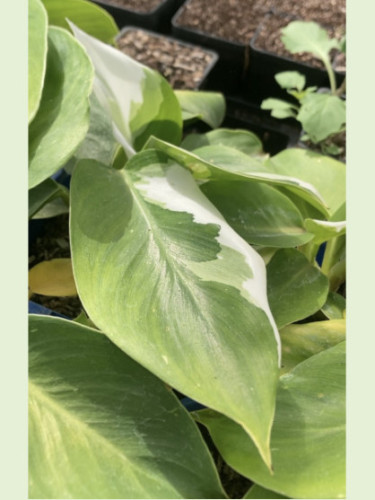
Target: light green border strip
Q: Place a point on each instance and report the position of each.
(361, 244)
(361, 249)
(14, 242)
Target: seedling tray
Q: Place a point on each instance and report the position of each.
(175, 47)
(157, 19)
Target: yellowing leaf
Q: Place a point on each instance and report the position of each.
(53, 278)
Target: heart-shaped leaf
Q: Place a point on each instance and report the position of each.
(308, 435)
(206, 106)
(259, 213)
(296, 289)
(101, 426)
(37, 57)
(63, 115)
(89, 17)
(166, 278)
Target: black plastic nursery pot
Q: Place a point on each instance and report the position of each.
(276, 135)
(260, 80)
(184, 65)
(157, 18)
(234, 56)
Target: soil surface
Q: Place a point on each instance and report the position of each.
(238, 20)
(183, 66)
(54, 244)
(143, 6)
(233, 20)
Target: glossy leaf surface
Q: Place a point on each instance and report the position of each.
(101, 426)
(43, 193)
(91, 18)
(223, 162)
(317, 170)
(258, 212)
(206, 106)
(296, 288)
(242, 140)
(63, 115)
(325, 230)
(37, 54)
(308, 435)
(169, 281)
(139, 100)
(301, 341)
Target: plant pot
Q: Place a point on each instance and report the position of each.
(275, 135)
(184, 65)
(234, 53)
(157, 18)
(265, 64)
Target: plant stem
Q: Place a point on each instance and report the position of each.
(328, 256)
(331, 75)
(342, 89)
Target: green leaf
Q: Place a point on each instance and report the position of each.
(63, 116)
(100, 426)
(296, 289)
(325, 174)
(206, 106)
(257, 212)
(291, 80)
(139, 100)
(37, 56)
(302, 36)
(89, 17)
(325, 230)
(335, 306)
(241, 140)
(165, 277)
(57, 206)
(228, 163)
(300, 342)
(279, 108)
(99, 143)
(308, 435)
(40, 195)
(257, 491)
(321, 115)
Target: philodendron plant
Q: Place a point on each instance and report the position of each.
(321, 112)
(195, 261)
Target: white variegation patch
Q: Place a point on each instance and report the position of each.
(117, 85)
(178, 192)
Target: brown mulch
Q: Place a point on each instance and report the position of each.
(182, 65)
